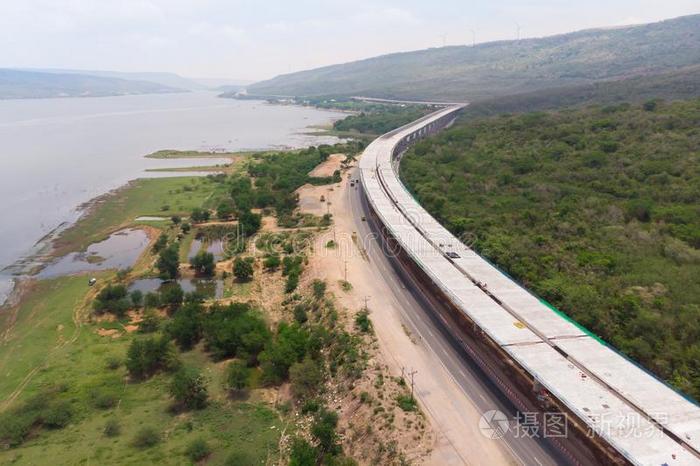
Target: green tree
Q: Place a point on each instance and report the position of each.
(146, 356)
(237, 376)
(203, 263)
(249, 223)
(112, 299)
(186, 326)
(199, 215)
(302, 453)
(169, 262)
(306, 377)
(323, 430)
(242, 269)
(160, 243)
(136, 297)
(189, 388)
(225, 210)
(171, 295)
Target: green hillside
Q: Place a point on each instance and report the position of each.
(594, 209)
(673, 85)
(469, 73)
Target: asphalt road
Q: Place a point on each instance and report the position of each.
(424, 322)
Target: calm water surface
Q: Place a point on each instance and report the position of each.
(56, 154)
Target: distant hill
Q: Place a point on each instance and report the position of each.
(162, 78)
(503, 68)
(17, 84)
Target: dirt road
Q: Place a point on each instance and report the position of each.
(452, 414)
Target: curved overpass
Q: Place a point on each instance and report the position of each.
(566, 367)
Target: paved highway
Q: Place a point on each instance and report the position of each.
(421, 317)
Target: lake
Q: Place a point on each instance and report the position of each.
(57, 154)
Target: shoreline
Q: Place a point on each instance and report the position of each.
(48, 248)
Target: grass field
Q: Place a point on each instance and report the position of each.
(50, 345)
(142, 197)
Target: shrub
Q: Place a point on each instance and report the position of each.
(112, 428)
(319, 288)
(146, 437)
(113, 363)
(57, 415)
(362, 321)
(197, 450)
(406, 402)
(272, 261)
(292, 282)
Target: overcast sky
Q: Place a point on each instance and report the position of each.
(257, 39)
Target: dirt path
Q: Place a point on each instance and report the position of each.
(328, 167)
(451, 413)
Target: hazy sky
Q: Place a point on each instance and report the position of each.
(257, 39)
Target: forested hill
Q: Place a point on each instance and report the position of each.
(18, 84)
(469, 73)
(595, 209)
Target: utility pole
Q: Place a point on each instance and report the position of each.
(366, 298)
(517, 25)
(345, 272)
(412, 373)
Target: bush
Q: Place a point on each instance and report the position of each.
(136, 297)
(292, 282)
(57, 415)
(113, 363)
(406, 402)
(197, 450)
(319, 288)
(112, 428)
(239, 458)
(272, 262)
(146, 437)
(362, 322)
(104, 399)
(189, 388)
